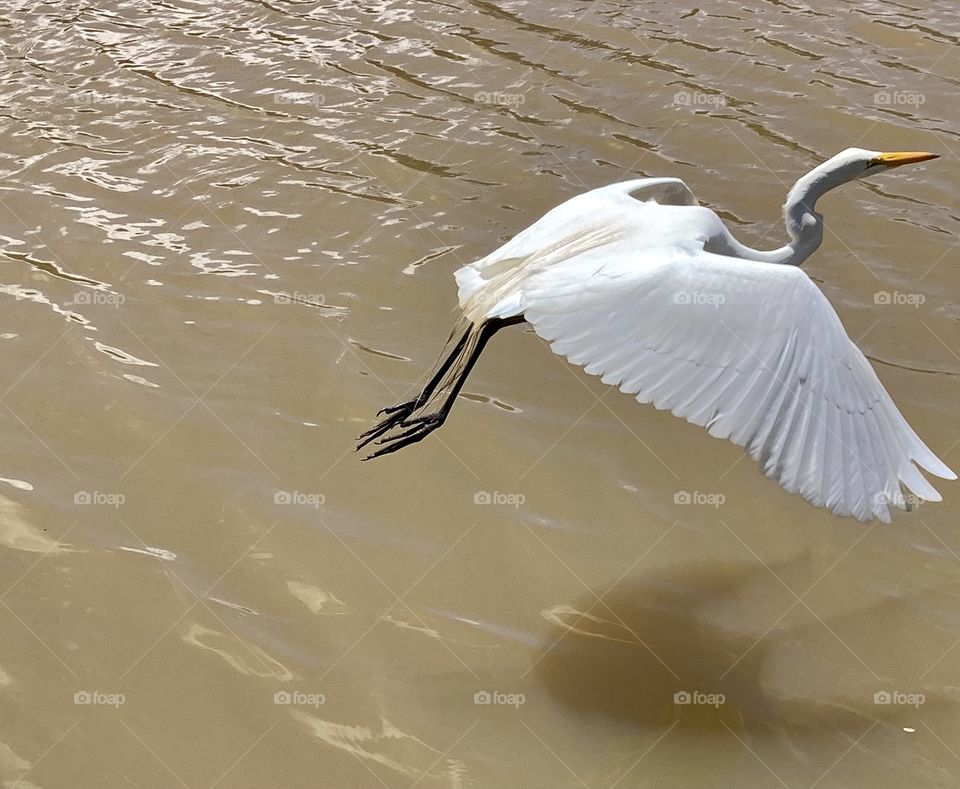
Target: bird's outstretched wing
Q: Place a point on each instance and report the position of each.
(754, 352)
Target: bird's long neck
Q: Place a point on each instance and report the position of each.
(804, 224)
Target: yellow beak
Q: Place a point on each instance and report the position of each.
(897, 158)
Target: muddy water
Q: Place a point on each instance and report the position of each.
(228, 232)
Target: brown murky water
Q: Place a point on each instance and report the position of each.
(228, 237)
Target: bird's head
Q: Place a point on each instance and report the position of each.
(804, 224)
(855, 163)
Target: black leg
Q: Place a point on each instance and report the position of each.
(420, 427)
(396, 414)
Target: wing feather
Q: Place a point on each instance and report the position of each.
(753, 352)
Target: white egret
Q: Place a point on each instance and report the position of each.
(638, 283)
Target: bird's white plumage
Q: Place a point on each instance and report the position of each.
(492, 287)
(629, 282)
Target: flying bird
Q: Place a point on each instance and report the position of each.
(639, 284)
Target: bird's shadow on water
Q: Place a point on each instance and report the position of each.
(648, 641)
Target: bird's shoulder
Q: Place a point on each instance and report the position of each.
(661, 190)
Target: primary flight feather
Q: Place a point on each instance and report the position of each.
(638, 283)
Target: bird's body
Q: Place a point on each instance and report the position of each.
(654, 215)
(639, 284)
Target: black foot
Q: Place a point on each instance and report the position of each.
(419, 428)
(396, 414)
